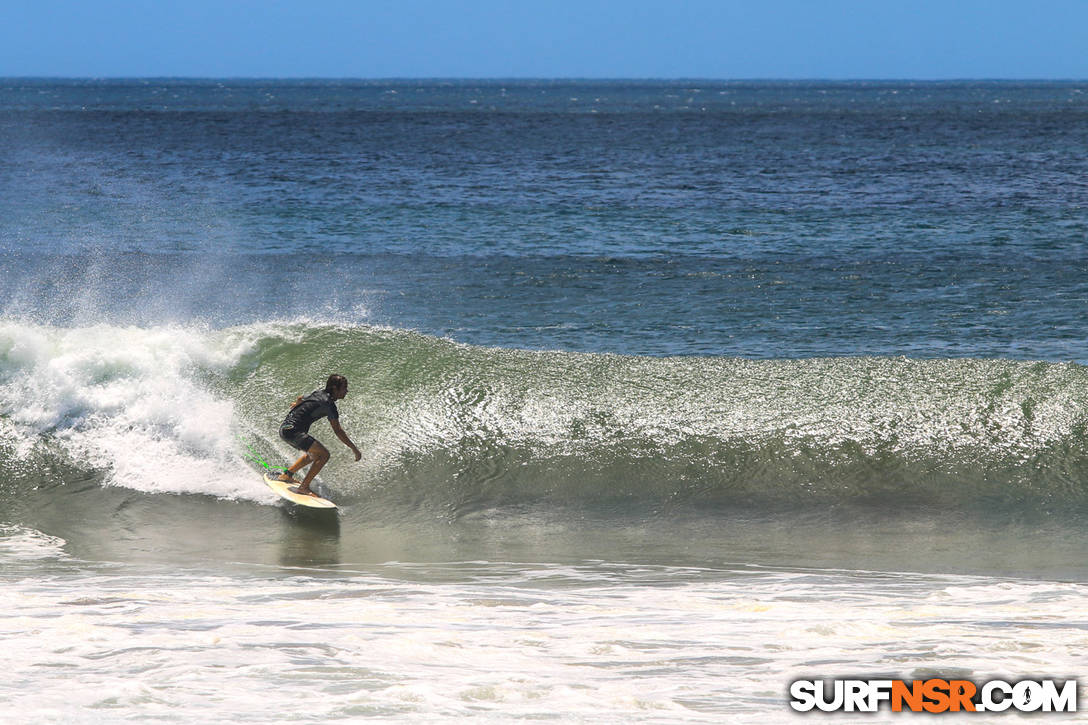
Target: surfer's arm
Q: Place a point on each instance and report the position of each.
(344, 438)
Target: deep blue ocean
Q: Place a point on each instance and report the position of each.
(667, 391)
(782, 220)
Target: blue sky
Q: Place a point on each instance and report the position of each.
(838, 39)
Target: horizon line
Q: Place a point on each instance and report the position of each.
(551, 79)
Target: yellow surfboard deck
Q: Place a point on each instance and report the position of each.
(281, 487)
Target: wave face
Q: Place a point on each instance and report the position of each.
(178, 408)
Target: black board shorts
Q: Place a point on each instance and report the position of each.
(297, 438)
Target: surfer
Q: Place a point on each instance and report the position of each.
(295, 429)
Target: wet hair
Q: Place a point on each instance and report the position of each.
(335, 382)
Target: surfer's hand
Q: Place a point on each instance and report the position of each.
(355, 450)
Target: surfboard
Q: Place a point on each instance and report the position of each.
(281, 487)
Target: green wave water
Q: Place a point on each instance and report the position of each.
(457, 427)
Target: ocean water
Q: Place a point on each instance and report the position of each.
(668, 394)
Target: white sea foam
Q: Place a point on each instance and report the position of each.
(21, 544)
(128, 401)
(430, 643)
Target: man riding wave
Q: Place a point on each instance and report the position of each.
(295, 429)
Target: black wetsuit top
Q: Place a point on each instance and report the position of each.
(314, 406)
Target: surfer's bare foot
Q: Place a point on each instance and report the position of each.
(285, 477)
(301, 491)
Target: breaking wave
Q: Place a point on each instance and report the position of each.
(176, 409)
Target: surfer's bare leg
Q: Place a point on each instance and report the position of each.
(320, 456)
(288, 476)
